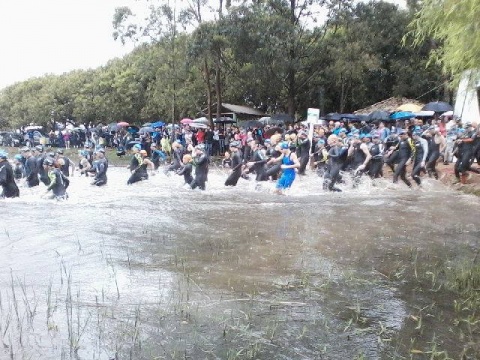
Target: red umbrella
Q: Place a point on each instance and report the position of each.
(186, 121)
(123, 123)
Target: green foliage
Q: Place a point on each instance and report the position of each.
(454, 27)
(271, 55)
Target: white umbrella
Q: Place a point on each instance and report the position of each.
(424, 113)
(202, 120)
(33, 127)
(447, 113)
(198, 126)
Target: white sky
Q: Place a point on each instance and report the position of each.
(39, 37)
(56, 36)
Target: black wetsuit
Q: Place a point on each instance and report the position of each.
(201, 171)
(140, 172)
(336, 159)
(186, 171)
(100, 167)
(237, 163)
(420, 155)
(273, 170)
(433, 155)
(259, 167)
(42, 173)
(19, 171)
(65, 168)
(405, 151)
(31, 172)
(464, 153)
(58, 183)
(176, 160)
(376, 162)
(7, 181)
(304, 152)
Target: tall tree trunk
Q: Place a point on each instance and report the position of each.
(206, 74)
(291, 88)
(218, 89)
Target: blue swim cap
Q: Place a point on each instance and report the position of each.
(321, 141)
(3, 154)
(284, 146)
(18, 157)
(137, 146)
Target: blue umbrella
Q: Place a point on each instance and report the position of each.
(157, 124)
(402, 115)
(133, 129)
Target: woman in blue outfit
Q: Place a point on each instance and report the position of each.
(289, 164)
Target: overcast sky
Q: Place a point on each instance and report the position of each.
(40, 37)
(55, 36)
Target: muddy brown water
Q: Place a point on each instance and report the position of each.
(155, 271)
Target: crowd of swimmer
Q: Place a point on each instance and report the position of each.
(360, 150)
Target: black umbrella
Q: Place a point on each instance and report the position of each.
(379, 115)
(333, 116)
(438, 106)
(349, 117)
(282, 118)
(252, 124)
(224, 120)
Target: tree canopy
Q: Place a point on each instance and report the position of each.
(270, 55)
(454, 28)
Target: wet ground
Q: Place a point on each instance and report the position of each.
(156, 271)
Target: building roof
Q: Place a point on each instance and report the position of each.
(389, 105)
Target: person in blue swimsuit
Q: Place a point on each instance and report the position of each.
(289, 164)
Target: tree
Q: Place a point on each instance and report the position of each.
(454, 28)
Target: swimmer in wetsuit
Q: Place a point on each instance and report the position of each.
(336, 161)
(236, 164)
(420, 157)
(7, 179)
(186, 169)
(100, 167)
(200, 162)
(142, 162)
(58, 183)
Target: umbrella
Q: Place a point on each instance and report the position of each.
(132, 129)
(224, 120)
(173, 125)
(282, 118)
(333, 116)
(157, 124)
(147, 124)
(201, 120)
(425, 113)
(409, 107)
(198, 126)
(123, 123)
(349, 117)
(131, 143)
(252, 124)
(401, 115)
(271, 131)
(447, 113)
(185, 121)
(146, 129)
(379, 115)
(33, 127)
(438, 107)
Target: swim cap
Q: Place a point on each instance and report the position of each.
(101, 150)
(25, 149)
(200, 147)
(39, 148)
(51, 154)
(402, 132)
(321, 141)
(18, 157)
(3, 154)
(235, 144)
(137, 146)
(60, 151)
(48, 161)
(284, 146)
(367, 136)
(267, 141)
